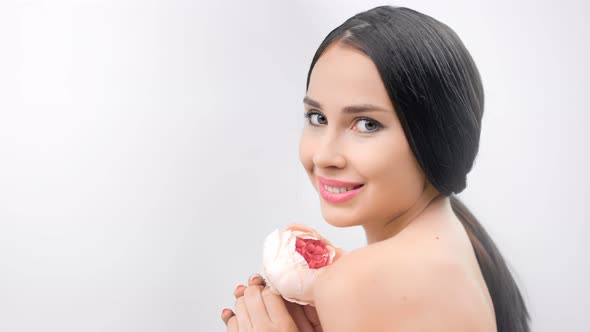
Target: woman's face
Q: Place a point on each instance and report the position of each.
(353, 135)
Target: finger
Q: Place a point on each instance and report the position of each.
(275, 306)
(312, 315)
(232, 324)
(239, 291)
(226, 314)
(256, 306)
(256, 279)
(242, 314)
(296, 312)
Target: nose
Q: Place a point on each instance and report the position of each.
(328, 153)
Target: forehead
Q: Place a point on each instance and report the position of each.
(343, 76)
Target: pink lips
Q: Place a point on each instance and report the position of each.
(337, 197)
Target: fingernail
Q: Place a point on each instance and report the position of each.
(225, 311)
(239, 287)
(254, 277)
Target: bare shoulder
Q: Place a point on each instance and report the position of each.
(401, 286)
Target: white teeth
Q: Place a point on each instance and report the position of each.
(337, 190)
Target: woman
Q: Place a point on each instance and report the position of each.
(393, 105)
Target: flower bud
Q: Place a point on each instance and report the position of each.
(293, 259)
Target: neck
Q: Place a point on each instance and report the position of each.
(383, 231)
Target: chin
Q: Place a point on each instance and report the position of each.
(340, 216)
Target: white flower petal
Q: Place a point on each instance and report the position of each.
(286, 271)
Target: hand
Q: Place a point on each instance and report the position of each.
(303, 316)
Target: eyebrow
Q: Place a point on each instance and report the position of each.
(353, 109)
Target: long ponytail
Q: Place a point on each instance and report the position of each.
(511, 312)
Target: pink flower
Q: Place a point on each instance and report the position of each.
(293, 259)
(315, 252)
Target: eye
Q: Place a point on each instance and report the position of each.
(368, 125)
(315, 118)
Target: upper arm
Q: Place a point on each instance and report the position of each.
(416, 297)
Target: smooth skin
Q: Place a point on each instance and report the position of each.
(418, 271)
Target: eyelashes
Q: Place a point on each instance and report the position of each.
(308, 116)
(311, 115)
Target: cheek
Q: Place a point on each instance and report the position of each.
(306, 152)
(394, 175)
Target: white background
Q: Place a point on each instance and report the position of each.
(148, 147)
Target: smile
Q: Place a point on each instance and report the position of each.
(338, 191)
